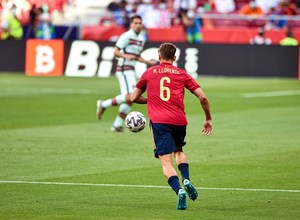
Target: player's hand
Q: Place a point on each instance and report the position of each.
(130, 57)
(153, 62)
(207, 128)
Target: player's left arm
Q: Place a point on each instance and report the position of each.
(136, 97)
(148, 62)
(207, 127)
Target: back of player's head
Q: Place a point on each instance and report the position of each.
(167, 51)
(135, 17)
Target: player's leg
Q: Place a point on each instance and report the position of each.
(127, 83)
(182, 162)
(178, 135)
(115, 101)
(164, 148)
(124, 109)
(183, 167)
(170, 172)
(167, 167)
(173, 180)
(123, 97)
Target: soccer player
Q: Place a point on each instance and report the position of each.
(128, 49)
(165, 86)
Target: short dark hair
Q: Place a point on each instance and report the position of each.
(135, 17)
(167, 51)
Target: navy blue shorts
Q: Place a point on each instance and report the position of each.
(168, 138)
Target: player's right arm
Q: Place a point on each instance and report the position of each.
(136, 96)
(122, 42)
(119, 54)
(207, 127)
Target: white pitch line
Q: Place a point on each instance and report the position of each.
(271, 94)
(60, 91)
(55, 91)
(144, 186)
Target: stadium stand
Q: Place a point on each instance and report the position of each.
(240, 3)
(98, 23)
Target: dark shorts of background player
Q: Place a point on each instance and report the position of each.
(168, 138)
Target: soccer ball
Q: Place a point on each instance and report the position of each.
(135, 121)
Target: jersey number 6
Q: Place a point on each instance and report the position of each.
(165, 92)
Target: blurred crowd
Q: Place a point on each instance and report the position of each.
(38, 14)
(165, 13)
(168, 13)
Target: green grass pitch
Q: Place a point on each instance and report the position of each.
(57, 161)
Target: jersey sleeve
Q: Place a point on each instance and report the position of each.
(122, 41)
(191, 83)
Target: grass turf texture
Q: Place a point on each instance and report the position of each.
(49, 133)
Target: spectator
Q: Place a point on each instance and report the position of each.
(114, 5)
(289, 40)
(147, 11)
(45, 29)
(284, 8)
(71, 2)
(163, 15)
(251, 9)
(32, 27)
(260, 39)
(268, 6)
(10, 25)
(58, 9)
(297, 4)
(224, 6)
(192, 24)
(120, 13)
(288, 7)
(185, 5)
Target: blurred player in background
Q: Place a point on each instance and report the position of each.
(128, 49)
(165, 86)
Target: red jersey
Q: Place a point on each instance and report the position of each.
(165, 86)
